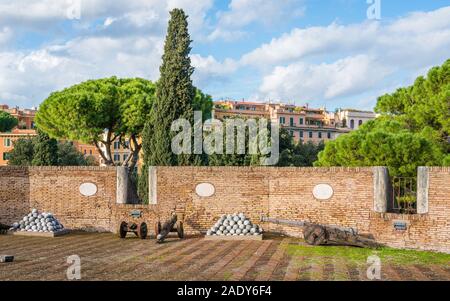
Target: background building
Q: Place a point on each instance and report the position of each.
(304, 123)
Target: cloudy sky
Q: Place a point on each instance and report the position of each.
(304, 51)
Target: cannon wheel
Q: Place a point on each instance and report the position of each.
(180, 230)
(157, 228)
(123, 229)
(142, 231)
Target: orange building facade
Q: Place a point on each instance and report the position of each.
(303, 123)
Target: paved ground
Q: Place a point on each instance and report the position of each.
(106, 257)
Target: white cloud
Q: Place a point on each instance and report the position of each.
(244, 12)
(323, 81)
(5, 35)
(362, 56)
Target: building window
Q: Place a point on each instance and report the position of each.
(125, 156)
(301, 134)
(329, 135)
(300, 121)
(85, 152)
(320, 135)
(116, 145)
(5, 156)
(282, 120)
(310, 134)
(352, 124)
(116, 157)
(7, 142)
(291, 121)
(292, 133)
(360, 123)
(90, 152)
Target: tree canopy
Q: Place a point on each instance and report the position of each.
(7, 122)
(99, 112)
(412, 131)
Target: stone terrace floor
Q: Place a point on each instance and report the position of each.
(106, 257)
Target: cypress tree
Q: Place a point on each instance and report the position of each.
(174, 96)
(45, 150)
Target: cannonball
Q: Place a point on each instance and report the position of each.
(221, 228)
(232, 231)
(241, 214)
(229, 217)
(235, 227)
(34, 211)
(225, 232)
(25, 219)
(239, 222)
(54, 223)
(238, 231)
(51, 229)
(34, 215)
(209, 232)
(219, 232)
(236, 219)
(232, 223)
(244, 231)
(49, 224)
(252, 230)
(39, 216)
(229, 228)
(242, 227)
(246, 222)
(15, 225)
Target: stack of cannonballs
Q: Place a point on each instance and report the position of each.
(38, 222)
(232, 225)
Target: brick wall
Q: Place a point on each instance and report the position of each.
(284, 193)
(56, 189)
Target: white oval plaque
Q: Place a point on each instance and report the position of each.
(88, 189)
(205, 190)
(323, 192)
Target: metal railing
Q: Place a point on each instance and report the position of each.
(404, 195)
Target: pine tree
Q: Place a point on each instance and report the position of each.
(45, 150)
(174, 96)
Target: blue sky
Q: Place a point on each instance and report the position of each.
(321, 52)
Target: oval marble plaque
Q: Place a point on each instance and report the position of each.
(205, 190)
(88, 189)
(323, 192)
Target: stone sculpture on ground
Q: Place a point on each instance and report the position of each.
(38, 222)
(234, 225)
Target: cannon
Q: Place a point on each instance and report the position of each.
(140, 229)
(171, 225)
(315, 234)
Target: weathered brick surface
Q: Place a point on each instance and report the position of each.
(56, 189)
(284, 193)
(429, 231)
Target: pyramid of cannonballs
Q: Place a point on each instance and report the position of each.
(38, 222)
(234, 224)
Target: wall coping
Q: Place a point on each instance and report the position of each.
(275, 168)
(438, 168)
(61, 168)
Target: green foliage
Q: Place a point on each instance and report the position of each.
(7, 122)
(68, 155)
(203, 102)
(383, 142)
(412, 131)
(297, 154)
(22, 153)
(84, 112)
(175, 95)
(40, 151)
(45, 150)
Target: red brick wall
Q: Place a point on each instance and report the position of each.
(284, 193)
(56, 189)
